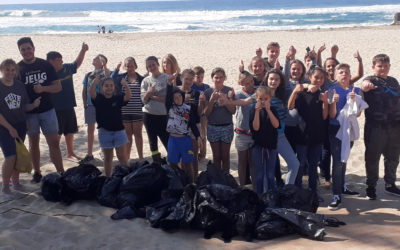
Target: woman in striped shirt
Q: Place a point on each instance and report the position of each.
(132, 115)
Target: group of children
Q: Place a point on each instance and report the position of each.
(305, 112)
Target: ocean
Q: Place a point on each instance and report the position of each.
(194, 15)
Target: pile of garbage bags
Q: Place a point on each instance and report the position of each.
(164, 196)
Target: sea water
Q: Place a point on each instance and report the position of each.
(194, 15)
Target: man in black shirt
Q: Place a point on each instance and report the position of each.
(40, 80)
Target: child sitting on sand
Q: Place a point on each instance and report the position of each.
(109, 120)
(14, 101)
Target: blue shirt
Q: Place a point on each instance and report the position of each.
(203, 87)
(65, 99)
(342, 100)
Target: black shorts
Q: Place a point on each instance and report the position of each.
(67, 122)
(132, 118)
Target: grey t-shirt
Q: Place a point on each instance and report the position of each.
(160, 84)
(242, 112)
(220, 114)
(12, 102)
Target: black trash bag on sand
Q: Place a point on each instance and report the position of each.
(215, 176)
(291, 196)
(51, 187)
(80, 183)
(276, 222)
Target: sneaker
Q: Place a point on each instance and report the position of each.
(371, 193)
(86, 159)
(347, 191)
(37, 177)
(392, 189)
(335, 202)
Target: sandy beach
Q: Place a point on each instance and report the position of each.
(29, 222)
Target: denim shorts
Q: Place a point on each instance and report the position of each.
(7, 143)
(180, 148)
(47, 121)
(90, 115)
(243, 142)
(220, 133)
(112, 139)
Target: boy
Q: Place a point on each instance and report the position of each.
(64, 101)
(382, 125)
(201, 87)
(99, 63)
(181, 120)
(40, 80)
(273, 51)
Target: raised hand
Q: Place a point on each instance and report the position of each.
(324, 97)
(321, 49)
(352, 94)
(119, 65)
(335, 96)
(241, 66)
(334, 50)
(259, 105)
(312, 88)
(357, 56)
(172, 78)
(298, 88)
(231, 94)
(85, 47)
(291, 53)
(214, 96)
(367, 86)
(202, 97)
(267, 104)
(277, 65)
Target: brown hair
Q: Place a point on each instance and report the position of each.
(198, 70)
(264, 90)
(273, 44)
(383, 58)
(243, 75)
(218, 70)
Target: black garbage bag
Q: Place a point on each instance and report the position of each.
(246, 207)
(121, 171)
(271, 225)
(178, 179)
(183, 211)
(128, 213)
(145, 183)
(51, 187)
(127, 199)
(159, 210)
(80, 183)
(215, 176)
(291, 196)
(213, 213)
(109, 192)
(305, 223)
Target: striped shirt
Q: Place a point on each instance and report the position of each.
(134, 106)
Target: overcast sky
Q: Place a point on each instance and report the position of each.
(67, 1)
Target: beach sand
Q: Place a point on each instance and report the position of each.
(27, 221)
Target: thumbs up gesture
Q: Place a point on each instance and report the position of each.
(352, 94)
(335, 96)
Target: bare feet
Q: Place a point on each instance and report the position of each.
(73, 157)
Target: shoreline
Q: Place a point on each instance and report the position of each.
(202, 32)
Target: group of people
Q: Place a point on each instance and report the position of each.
(306, 112)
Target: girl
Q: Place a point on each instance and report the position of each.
(14, 101)
(132, 115)
(182, 120)
(109, 120)
(276, 82)
(313, 110)
(170, 66)
(192, 98)
(220, 127)
(243, 139)
(263, 124)
(257, 68)
(153, 91)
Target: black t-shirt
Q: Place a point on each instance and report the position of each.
(41, 71)
(194, 104)
(384, 101)
(108, 112)
(267, 135)
(309, 107)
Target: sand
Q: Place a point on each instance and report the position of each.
(29, 222)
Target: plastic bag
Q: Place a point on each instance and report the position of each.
(51, 187)
(270, 226)
(215, 176)
(80, 183)
(109, 192)
(23, 162)
(291, 196)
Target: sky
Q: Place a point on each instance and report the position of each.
(66, 1)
